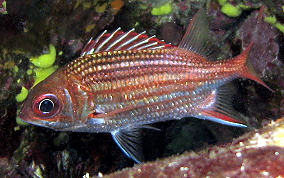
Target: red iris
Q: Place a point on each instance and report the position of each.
(46, 105)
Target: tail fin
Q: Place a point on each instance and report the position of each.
(248, 70)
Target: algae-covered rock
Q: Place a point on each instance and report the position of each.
(259, 153)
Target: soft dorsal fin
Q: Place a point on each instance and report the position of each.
(119, 40)
(198, 37)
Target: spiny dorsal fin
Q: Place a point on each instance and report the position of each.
(198, 37)
(119, 40)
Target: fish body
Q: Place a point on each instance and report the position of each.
(124, 81)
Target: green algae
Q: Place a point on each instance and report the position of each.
(162, 10)
(45, 60)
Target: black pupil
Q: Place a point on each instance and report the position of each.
(46, 105)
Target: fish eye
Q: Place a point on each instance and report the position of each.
(47, 105)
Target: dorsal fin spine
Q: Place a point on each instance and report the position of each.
(97, 39)
(140, 43)
(120, 39)
(147, 45)
(107, 40)
(133, 39)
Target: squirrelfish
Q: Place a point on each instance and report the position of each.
(124, 81)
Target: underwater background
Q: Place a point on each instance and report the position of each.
(38, 36)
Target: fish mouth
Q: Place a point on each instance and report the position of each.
(25, 119)
(22, 116)
(28, 119)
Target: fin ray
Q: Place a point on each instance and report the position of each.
(129, 141)
(119, 40)
(248, 70)
(222, 110)
(198, 37)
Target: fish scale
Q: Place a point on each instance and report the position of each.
(158, 109)
(124, 81)
(143, 71)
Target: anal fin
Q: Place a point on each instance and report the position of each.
(222, 110)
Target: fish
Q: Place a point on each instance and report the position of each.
(124, 81)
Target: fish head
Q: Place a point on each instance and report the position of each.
(49, 104)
